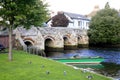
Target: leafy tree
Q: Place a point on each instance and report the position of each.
(60, 20)
(105, 27)
(107, 6)
(21, 13)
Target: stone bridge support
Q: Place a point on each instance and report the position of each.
(53, 42)
(83, 40)
(70, 40)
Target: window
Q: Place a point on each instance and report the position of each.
(87, 23)
(79, 23)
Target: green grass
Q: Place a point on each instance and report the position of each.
(32, 67)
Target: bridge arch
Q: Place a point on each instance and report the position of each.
(49, 43)
(29, 42)
(49, 37)
(30, 45)
(66, 40)
(79, 38)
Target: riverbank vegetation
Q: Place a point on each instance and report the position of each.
(26, 66)
(104, 28)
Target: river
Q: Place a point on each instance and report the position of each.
(110, 68)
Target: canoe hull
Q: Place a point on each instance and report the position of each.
(81, 60)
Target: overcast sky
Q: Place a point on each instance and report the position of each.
(80, 6)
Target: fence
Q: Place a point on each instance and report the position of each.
(4, 40)
(34, 50)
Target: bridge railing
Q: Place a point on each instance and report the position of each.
(36, 51)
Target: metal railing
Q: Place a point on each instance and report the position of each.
(36, 51)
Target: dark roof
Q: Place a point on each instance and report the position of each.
(76, 16)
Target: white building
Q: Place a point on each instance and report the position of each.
(75, 21)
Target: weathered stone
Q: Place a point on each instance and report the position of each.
(45, 38)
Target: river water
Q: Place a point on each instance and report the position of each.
(110, 67)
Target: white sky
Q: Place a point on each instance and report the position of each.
(80, 6)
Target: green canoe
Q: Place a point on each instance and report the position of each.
(80, 60)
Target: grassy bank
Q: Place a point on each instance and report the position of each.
(32, 67)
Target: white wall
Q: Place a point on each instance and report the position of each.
(81, 24)
(49, 23)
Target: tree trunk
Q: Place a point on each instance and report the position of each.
(10, 44)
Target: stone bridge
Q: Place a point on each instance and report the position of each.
(47, 38)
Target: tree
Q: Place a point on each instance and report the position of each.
(105, 27)
(21, 13)
(107, 6)
(60, 20)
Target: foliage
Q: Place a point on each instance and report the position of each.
(105, 27)
(32, 67)
(107, 6)
(21, 13)
(60, 20)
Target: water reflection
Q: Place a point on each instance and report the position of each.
(111, 56)
(110, 69)
(55, 54)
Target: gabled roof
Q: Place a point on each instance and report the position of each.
(76, 16)
(71, 16)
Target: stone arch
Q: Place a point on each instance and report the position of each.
(79, 40)
(49, 37)
(66, 39)
(53, 43)
(30, 45)
(79, 37)
(49, 43)
(29, 41)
